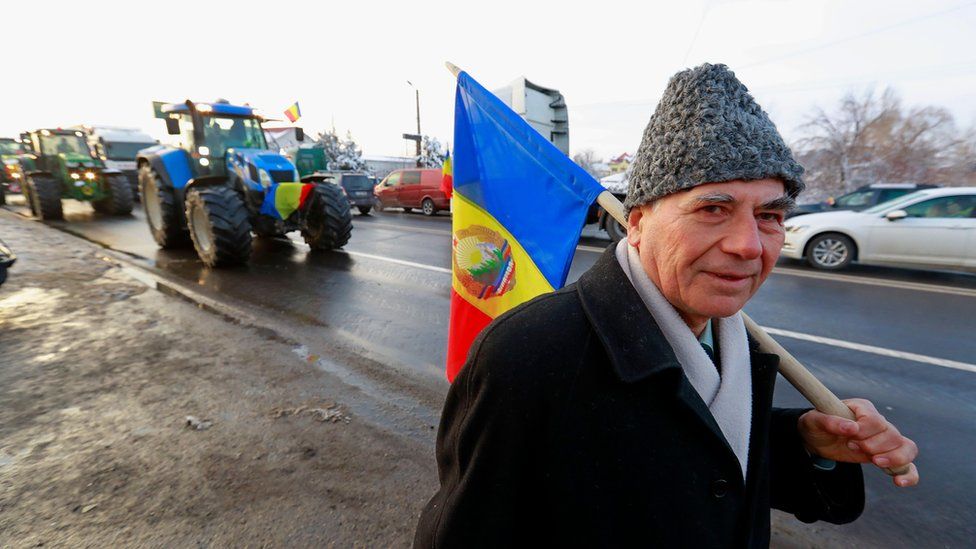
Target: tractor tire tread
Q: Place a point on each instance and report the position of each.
(46, 196)
(229, 223)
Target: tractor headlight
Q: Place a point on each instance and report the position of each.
(89, 175)
(204, 151)
(204, 161)
(75, 176)
(264, 178)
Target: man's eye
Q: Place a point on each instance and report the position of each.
(712, 209)
(770, 216)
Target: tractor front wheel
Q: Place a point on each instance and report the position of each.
(164, 215)
(219, 226)
(328, 221)
(45, 196)
(119, 199)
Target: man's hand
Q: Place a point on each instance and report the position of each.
(868, 439)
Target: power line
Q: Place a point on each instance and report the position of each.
(694, 39)
(860, 35)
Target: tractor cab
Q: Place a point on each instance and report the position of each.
(225, 140)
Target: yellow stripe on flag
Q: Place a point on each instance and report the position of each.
(288, 197)
(491, 270)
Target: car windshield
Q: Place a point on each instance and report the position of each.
(356, 182)
(897, 201)
(11, 147)
(59, 143)
(122, 150)
(225, 132)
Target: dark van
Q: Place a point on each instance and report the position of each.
(358, 187)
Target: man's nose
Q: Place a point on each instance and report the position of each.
(743, 238)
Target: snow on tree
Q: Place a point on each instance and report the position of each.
(431, 153)
(342, 154)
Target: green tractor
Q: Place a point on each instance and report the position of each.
(12, 154)
(63, 166)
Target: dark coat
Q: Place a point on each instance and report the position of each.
(573, 424)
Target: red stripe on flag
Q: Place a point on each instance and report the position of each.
(466, 323)
(306, 189)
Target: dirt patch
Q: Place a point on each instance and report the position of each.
(98, 375)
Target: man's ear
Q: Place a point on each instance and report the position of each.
(633, 226)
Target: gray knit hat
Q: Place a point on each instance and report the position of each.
(708, 129)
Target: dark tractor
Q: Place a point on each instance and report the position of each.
(60, 165)
(12, 151)
(223, 183)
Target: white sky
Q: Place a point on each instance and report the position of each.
(100, 62)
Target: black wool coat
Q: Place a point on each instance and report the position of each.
(573, 425)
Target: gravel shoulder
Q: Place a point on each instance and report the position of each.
(98, 374)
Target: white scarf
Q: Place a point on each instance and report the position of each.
(729, 396)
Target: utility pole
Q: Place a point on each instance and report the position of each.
(417, 91)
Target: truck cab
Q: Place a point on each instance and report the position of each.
(118, 147)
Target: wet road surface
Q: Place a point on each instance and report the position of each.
(389, 290)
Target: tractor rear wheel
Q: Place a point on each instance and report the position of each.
(45, 195)
(119, 199)
(164, 215)
(219, 226)
(328, 221)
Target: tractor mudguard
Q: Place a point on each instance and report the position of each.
(205, 181)
(172, 165)
(313, 178)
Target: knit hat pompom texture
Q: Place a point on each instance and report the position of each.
(708, 129)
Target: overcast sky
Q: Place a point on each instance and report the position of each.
(100, 62)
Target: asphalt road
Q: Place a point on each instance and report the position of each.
(904, 339)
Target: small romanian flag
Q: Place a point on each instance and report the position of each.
(447, 177)
(293, 113)
(519, 206)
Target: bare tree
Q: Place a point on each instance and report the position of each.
(587, 160)
(871, 139)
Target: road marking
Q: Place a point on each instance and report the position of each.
(400, 262)
(581, 247)
(918, 286)
(945, 363)
(407, 227)
(915, 357)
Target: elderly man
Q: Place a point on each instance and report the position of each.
(631, 408)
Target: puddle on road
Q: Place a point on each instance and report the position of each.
(32, 296)
(373, 408)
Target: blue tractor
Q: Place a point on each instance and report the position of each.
(223, 183)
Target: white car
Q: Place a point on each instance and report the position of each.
(932, 228)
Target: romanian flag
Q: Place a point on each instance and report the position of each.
(293, 113)
(519, 207)
(447, 177)
(282, 199)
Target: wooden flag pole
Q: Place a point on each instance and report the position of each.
(805, 382)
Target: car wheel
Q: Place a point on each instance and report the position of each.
(427, 206)
(830, 252)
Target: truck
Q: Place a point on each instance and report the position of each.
(117, 147)
(223, 182)
(60, 165)
(543, 108)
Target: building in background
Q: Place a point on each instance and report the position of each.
(543, 108)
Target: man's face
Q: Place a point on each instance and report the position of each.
(709, 249)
